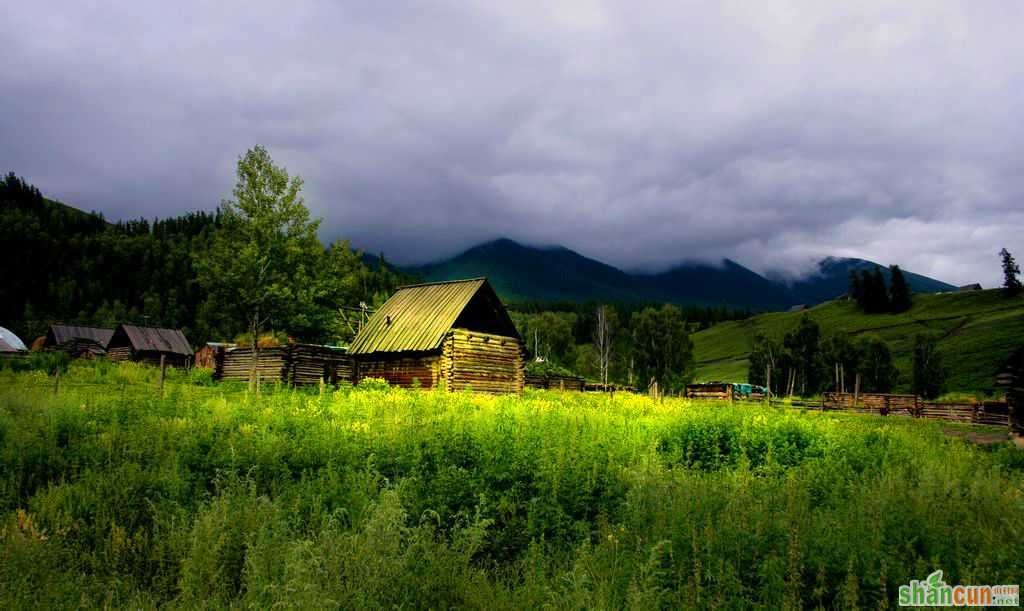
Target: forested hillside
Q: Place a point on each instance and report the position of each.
(976, 331)
(558, 274)
(66, 265)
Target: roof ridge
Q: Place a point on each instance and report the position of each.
(412, 286)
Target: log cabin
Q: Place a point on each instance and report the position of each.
(455, 335)
(78, 341)
(148, 344)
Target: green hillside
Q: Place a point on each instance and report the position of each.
(979, 330)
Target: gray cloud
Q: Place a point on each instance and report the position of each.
(641, 135)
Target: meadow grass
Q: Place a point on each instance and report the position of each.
(978, 331)
(111, 495)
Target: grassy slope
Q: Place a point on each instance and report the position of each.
(979, 330)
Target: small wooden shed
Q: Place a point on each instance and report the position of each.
(456, 335)
(78, 341)
(148, 344)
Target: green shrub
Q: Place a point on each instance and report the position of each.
(370, 497)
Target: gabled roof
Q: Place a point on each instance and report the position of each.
(64, 333)
(151, 339)
(417, 317)
(9, 342)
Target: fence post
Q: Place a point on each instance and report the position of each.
(56, 380)
(163, 373)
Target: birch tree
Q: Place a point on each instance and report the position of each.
(604, 331)
(260, 266)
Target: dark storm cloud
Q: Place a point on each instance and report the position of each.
(641, 135)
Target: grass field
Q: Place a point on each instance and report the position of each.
(373, 497)
(979, 331)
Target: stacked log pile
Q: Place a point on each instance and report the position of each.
(401, 370)
(556, 382)
(482, 362)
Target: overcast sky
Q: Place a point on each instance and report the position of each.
(641, 134)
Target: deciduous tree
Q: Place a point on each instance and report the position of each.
(662, 349)
(260, 266)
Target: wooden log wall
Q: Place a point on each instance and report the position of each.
(556, 382)
(80, 348)
(124, 353)
(297, 364)
(905, 405)
(309, 364)
(235, 365)
(482, 362)
(709, 391)
(401, 370)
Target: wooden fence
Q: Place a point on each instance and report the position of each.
(994, 413)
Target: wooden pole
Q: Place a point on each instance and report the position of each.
(768, 377)
(856, 390)
(163, 373)
(56, 380)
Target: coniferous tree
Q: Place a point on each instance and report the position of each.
(899, 292)
(856, 289)
(1011, 271)
(879, 293)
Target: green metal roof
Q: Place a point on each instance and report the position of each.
(418, 316)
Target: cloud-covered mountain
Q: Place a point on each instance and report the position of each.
(527, 273)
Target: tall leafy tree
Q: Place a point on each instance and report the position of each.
(899, 292)
(766, 361)
(1011, 274)
(877, 372)
(803, 345)
(929, 372)
(261, 264)
(662, 349)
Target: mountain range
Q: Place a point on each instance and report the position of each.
(522, 273)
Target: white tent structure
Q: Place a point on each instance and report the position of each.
(9, 342)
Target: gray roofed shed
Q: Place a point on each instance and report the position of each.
(59, 335)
